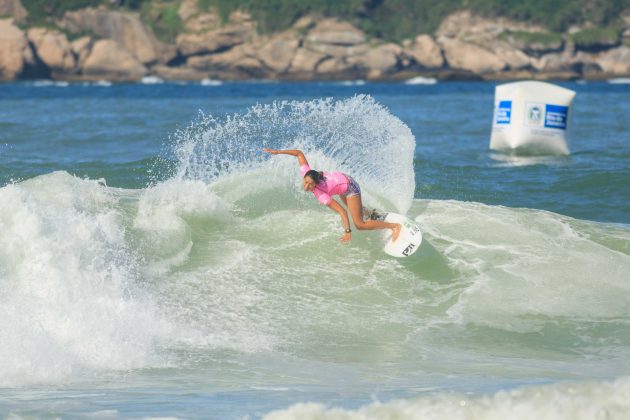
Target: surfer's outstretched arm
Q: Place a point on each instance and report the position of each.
(297, 153)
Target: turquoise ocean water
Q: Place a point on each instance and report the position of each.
(154, 263)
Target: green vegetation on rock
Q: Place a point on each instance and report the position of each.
(595, 38)
(275, 15)
(395, 20)
(399, 19)
(392, 20)
(163, 18)
(543, 38)
(557, 15)
(136, 4)
(40, 12)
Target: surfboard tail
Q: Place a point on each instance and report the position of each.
(409, 239)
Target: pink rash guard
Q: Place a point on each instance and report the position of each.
(334, 183)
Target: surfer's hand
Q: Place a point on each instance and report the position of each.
(346, 238)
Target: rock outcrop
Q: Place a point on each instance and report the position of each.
(108, 59)
(81, 48)
(14, 50)
(236, 63)
(305, 62)
(425, 52)
(14, 9)
(332, 31)
(462, 55)
(615, 62)
(118, 45)
(216, 40)
(177, 73)
(54, 50)
(204, 33)
(379, 61)
(335, 38)
(123, 27)
(277, 54)
(480, 45)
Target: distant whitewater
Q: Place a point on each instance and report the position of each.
(583, 401)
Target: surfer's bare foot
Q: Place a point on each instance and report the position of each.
(396, 232)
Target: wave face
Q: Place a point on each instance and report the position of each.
(188, 274)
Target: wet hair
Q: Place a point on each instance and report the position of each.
(315, 176)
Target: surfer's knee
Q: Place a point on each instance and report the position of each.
(360, 225)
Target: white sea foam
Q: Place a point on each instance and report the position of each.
(162, 206)
(47, 83)
(69, 302)
(512, 160)
(620, 80)
(78, 263)
(526, 266)
(151, 80)
(570, 401)
(221, 303)
(419, 80)
(163, 218)
(211, 82)
(358, 82)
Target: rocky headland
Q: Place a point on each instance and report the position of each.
(114, 44)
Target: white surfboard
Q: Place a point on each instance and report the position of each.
(409, 239)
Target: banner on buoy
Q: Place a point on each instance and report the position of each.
(531, 117)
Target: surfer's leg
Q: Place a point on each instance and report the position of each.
(365, 212)
(356, 211)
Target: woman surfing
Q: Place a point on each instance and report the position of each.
(324, 185)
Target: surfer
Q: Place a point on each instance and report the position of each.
(324, 185)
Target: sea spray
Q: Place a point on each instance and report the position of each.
(356, 135)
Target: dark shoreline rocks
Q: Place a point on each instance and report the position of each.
(118, 46)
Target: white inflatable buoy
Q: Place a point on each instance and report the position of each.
(531, 117)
